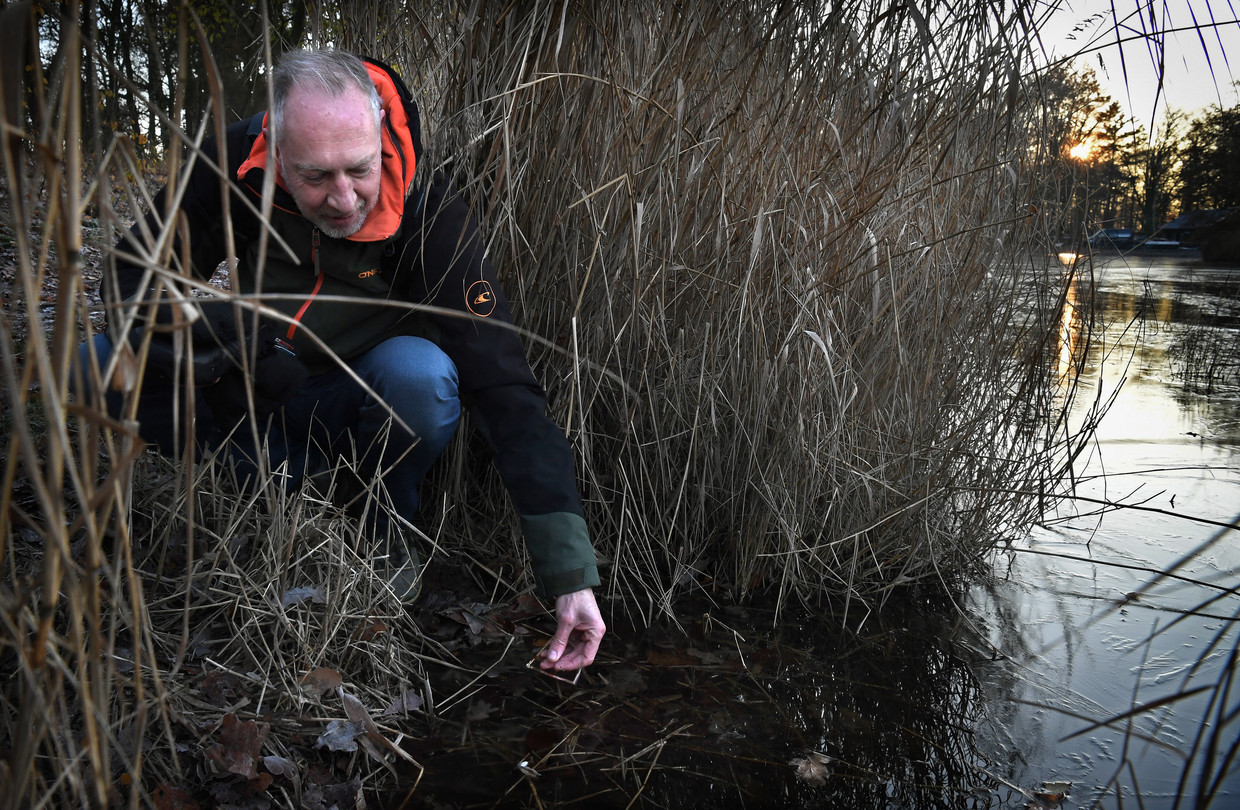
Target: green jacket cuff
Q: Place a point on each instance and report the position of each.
(562, 557)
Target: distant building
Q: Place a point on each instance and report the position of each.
(1220, 242)
(1111, 239)
(1196, 228)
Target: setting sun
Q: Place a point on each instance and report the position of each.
(1083, 150)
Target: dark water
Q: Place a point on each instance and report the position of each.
(1079, 647)
(927, 708)
(729, 713)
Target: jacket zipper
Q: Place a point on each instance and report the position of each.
(318, 284)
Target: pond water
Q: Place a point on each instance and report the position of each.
(928, 708)
(1087, 632)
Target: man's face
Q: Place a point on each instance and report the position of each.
(329, 155)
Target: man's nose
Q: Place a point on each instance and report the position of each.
(341, 195)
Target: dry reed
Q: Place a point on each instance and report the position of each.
(785, 234)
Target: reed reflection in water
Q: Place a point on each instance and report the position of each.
(1088, 628)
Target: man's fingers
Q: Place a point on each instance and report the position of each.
(571, 660)
(579, 652)
(558, 644)
(592, 644)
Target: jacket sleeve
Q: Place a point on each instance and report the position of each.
(202, 212)
(445, 254)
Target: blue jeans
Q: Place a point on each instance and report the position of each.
(330, 418)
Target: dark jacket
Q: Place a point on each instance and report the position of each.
(434, 257)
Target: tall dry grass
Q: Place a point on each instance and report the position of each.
(769, 261)
(774, 250)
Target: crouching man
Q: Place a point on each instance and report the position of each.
(345, 138)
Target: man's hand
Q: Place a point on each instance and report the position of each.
(579, 629)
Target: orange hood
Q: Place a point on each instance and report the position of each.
(398, 166)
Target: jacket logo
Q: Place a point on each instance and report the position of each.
(368, 273)
(480, 298)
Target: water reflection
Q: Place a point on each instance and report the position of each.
(893, 709)
(1084, 633)
(1070, 337)
(804, 716)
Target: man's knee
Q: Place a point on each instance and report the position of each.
(414, 368)
(93, 356)
(419, 382)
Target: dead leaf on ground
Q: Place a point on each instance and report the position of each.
(479, 711)
(341, 735)
(279, 766)
(371, 630)
(295, 596)
(528, 605)
(721, 722)
(241, 795)
(357, 713)
(166, 797)
(626, 681)
(708, 659)
(475, 618)
(239, 747)
(1050, 795)
(319, 681)
(664, 659)
(409, 701)
(325, 797)
(813, 768)
(220, 688)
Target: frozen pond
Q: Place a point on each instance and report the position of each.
(1085, 629)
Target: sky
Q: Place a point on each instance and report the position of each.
(1086, 28)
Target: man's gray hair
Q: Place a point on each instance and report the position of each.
(333, 72)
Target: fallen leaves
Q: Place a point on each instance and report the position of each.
(371, 630)
(358, 729)
(374, 742)
(167, 797)
(1050, 795)
(478, 711)
(242, 773)
(326, 797)
(320, 681)
(409, 701)
(311, 593)
(481, 621)
(235, 758)
(626, 681)
(279, 766)
(341, 735)
(221, 689)
(813, 769)
(240, 745)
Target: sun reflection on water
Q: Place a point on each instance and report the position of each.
(1069, 333)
